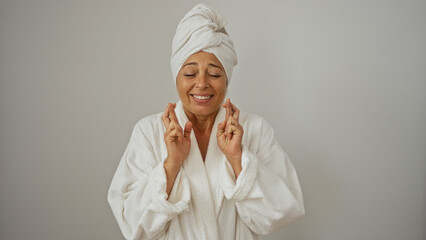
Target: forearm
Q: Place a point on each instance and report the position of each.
(172, 171)
(275, 198)
(235, 162)
(236, 166)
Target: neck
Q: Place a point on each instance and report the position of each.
(202, 124)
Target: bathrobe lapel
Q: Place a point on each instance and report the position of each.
(206, 197)
(215, 163)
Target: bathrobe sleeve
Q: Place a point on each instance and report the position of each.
(137, 194)
(267, 192)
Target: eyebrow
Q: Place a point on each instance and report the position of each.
(216, 66)
(194, 63)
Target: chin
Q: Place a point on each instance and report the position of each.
(202, 110)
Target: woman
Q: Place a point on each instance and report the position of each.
(202, 169)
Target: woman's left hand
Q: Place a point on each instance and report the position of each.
(230, 136)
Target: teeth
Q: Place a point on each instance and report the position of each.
(202, 97)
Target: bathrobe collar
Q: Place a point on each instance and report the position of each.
(206, 198)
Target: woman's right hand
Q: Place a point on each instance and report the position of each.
(178, 141)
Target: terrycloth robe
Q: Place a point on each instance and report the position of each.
(206, 201)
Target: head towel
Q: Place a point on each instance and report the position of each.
(202, 29)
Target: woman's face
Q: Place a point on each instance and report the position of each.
(201, 83)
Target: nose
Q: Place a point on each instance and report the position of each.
(202, 81)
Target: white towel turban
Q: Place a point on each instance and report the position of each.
(203, 29)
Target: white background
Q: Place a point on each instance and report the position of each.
(342, 83)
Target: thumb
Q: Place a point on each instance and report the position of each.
(221, 126)
(187, 130)
(221, 129)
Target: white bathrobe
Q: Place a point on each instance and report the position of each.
(206, 202)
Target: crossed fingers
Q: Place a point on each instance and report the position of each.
(173, 129)
(231, 124)
(231, 110)
(169, 115)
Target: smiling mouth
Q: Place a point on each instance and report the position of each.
(201, 97)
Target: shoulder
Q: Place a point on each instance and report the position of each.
(258, 133)
(256, 127)
(150, 125)
(253, 120)
(150, 120)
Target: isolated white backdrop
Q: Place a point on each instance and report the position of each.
(342, 83)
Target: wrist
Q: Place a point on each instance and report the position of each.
(172, 166)
(235, 159)
(237, 168)
(172, 169)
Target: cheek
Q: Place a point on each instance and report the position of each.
(183, 92)
(183, 87)
(221, 90)
(223, 86)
